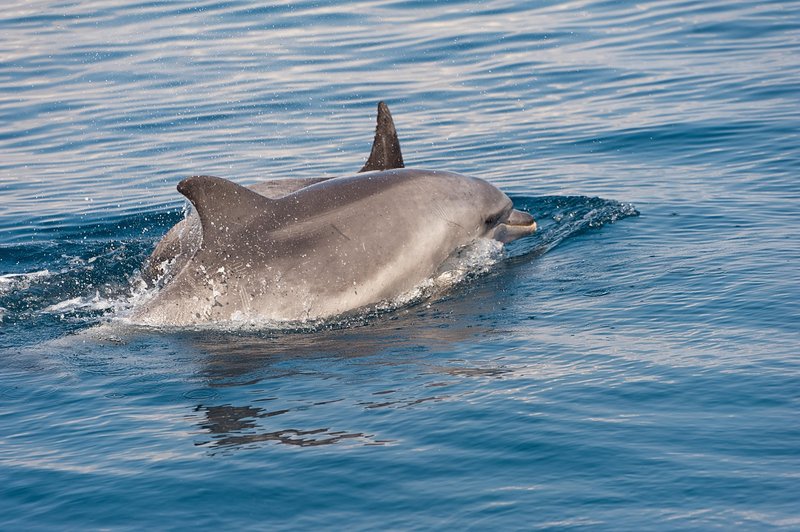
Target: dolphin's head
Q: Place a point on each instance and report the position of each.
(497, 217)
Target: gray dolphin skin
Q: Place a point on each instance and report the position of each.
(299, 250)
(183, 240)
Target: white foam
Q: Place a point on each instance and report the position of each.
(20, 281)
(80, 303)
(474, 259)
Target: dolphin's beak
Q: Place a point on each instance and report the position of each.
(517, 225)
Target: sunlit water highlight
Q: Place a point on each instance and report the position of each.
(612, 372)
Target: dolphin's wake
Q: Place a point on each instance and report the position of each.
(562, 217)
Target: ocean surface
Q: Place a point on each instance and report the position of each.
(635, 365)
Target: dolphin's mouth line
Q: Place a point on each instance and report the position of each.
(516, 225)
(529, 226)
(509, 224)
(519, 219)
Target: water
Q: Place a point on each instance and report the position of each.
(615, 372)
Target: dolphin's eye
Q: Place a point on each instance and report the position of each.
(491, 220)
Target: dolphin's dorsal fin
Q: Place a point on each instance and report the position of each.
(224, 207)
(385, 153)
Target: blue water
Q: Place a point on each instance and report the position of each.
(614, 372)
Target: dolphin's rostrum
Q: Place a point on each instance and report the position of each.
(313, 249)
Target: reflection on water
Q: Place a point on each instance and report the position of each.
(297, 388)
(236, 427)
(270, 361)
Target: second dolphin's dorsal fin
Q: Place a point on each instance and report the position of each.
(385, 153)
(225, 208)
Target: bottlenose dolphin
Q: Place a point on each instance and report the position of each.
(182, 241)
(325, 247)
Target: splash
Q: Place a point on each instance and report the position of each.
(20, 281)
(79, 304)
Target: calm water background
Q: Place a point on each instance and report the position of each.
(638, 374)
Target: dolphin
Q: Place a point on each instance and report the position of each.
(320, 248)
(182, 241)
